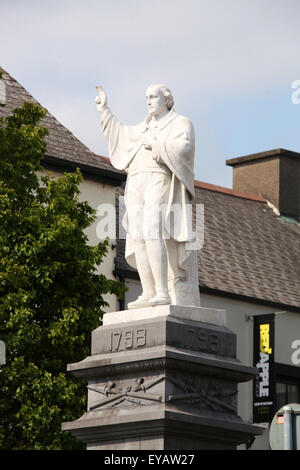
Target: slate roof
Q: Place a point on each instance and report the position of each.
(63, 148)
(249, 252)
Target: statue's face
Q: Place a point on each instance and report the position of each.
(156, 102)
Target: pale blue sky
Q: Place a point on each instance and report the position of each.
(229, 63)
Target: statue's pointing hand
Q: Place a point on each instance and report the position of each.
(101, 99)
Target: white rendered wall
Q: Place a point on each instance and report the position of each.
(98, 193)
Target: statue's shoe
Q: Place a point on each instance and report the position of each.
(140, 303)
(160, 299)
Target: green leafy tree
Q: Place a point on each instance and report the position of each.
(51, 293)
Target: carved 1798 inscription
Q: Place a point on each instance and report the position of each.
(200, 340)
(181, 336)
(128, 339)
(208, 341)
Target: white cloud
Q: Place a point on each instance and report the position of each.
(222, 45)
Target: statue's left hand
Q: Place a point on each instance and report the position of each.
(149, 140)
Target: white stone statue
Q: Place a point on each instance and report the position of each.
(158, 155)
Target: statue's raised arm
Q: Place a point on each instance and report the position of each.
(110, 126)
(123, 141)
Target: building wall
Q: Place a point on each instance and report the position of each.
(98, 193)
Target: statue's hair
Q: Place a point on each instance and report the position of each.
(166, 92)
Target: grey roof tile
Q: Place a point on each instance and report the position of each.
(260, 254)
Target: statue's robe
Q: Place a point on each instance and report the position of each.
(175, 146)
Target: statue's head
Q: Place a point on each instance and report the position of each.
(159, 98)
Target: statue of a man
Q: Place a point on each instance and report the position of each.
(158, 155)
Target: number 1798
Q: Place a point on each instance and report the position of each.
(127, 339)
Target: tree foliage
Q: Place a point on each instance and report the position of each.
(51, 293)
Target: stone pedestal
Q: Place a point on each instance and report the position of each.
(161, 378)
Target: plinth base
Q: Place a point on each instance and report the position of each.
(161, 378)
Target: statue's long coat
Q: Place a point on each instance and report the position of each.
(175, 145)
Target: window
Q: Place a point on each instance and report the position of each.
(287, 391)
(287, 385)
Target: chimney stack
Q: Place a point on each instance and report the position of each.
(275, 175)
